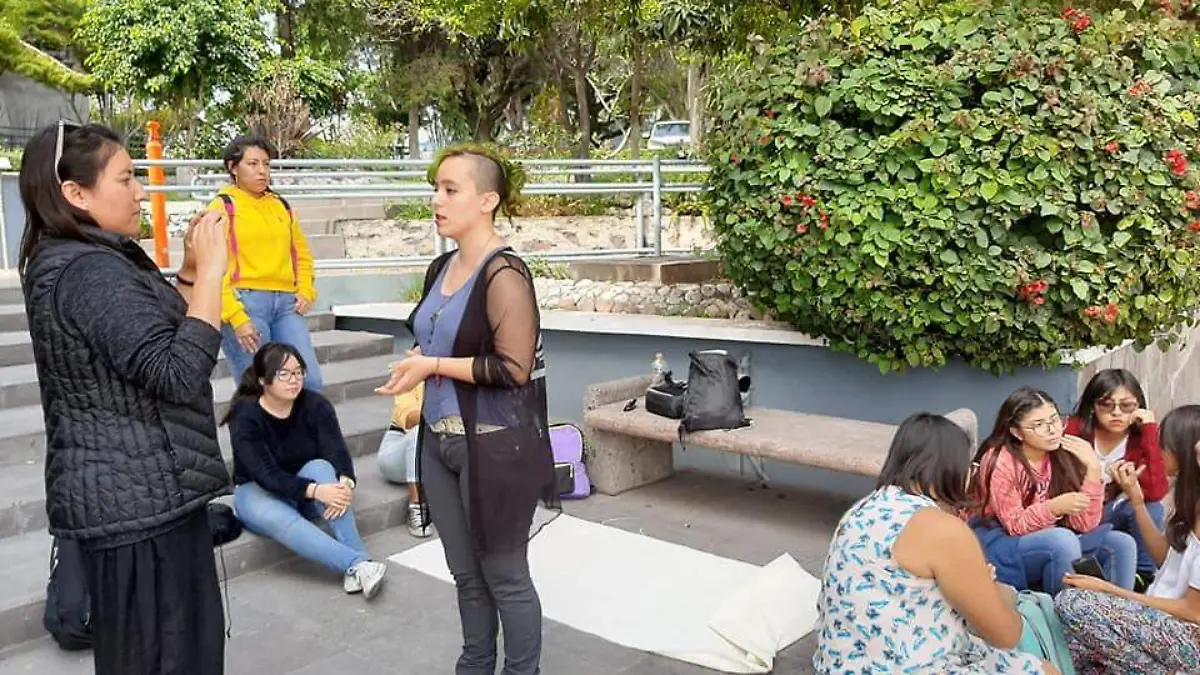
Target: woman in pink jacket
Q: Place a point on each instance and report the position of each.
(1042, 497)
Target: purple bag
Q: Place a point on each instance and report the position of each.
(570, 473)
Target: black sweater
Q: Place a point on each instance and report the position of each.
(270, 451)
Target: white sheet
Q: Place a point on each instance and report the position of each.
(659, 597)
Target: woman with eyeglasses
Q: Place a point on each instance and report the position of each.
(291, 467)
(1041, 497)
(123, 362)
(1113, 630)
(1113, 417)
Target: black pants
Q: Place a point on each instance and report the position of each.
(156, 604)
(494, 589)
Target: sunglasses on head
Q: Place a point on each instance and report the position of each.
(63, 126)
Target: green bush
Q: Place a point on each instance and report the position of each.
(966, 179)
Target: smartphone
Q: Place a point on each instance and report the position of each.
(1089, 566)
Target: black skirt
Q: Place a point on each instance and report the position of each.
(156, 604)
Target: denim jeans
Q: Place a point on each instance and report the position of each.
(288, 523)
(1123, 519)
(493, 588)
(398, 456)
(274, 314)
(1048, 554)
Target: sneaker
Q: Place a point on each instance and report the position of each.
(419, 524)
(368, 576)
(1142, 581)
(350, 582)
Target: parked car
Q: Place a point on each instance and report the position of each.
(669, 134)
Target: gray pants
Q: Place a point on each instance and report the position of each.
(493, 588)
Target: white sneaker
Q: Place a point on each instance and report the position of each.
(350, 582)
(368, 576)
(419, 524)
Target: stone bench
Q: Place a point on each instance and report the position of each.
(630, 449)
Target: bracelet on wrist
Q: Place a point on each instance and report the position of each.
(180, 280)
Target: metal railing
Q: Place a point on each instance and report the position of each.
(405, 179)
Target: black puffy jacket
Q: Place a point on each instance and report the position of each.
(131, 441)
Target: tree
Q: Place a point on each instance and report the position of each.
(33, 32)
(175, 53)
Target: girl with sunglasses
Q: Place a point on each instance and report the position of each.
(1041, 497)
(1112, 416)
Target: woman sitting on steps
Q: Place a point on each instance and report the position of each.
(290, 464)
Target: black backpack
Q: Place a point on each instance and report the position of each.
(68, 613)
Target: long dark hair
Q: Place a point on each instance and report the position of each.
(86, 150)
(1067, 470)
(267, 361)
(1100, 387)
(930, 455)
(1178, 435)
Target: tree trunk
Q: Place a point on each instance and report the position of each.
(564, 110)
(414, 132)
(585, 113)
(635, 102)
(695, 85)
(283, 27)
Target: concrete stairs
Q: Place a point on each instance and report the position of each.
(353, 364)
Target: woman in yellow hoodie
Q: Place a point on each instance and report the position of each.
(269, 285)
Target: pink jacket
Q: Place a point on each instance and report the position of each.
(1009, 484)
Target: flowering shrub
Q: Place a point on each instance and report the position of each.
(966, 179)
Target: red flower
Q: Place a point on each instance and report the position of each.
(1081, 24)
(1111, 147)
(801, 228)
(807, 201)
(1177, 161)
(1039, 300)
(1091, 312)
(1070, 13)
(771, 114)
(1192, 200)
(1195, 226)
(735, 159)
(1110, 312)
(787, 200)
(1139, 88)
(824, 220)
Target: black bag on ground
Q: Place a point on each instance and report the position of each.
(666, 398)
(68, 613)
(225, 526)
(714, 396)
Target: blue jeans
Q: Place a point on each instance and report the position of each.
(1123, 519)
(266, 514)
(398, 456)
(1048, 555)
(274, 314)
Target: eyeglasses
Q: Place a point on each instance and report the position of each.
(58, 145)
(1046, 427)
(1111, 405)
(289, 375)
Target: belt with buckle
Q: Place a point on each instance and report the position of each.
(454, 426)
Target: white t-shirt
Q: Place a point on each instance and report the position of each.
(1117, 454)
(1179, 572)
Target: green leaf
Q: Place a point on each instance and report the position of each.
(843, 238)
(939, 147)
(1158, 179)
(1080, 287)
(1042, 260)
(822, 105)
(1119, 239)
(989, 190)
(949, 257)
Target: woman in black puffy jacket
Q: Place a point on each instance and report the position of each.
(123, 361)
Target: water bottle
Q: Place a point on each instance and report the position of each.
(659, 370)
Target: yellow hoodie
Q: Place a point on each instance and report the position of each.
(267, 251)
(407, 404)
